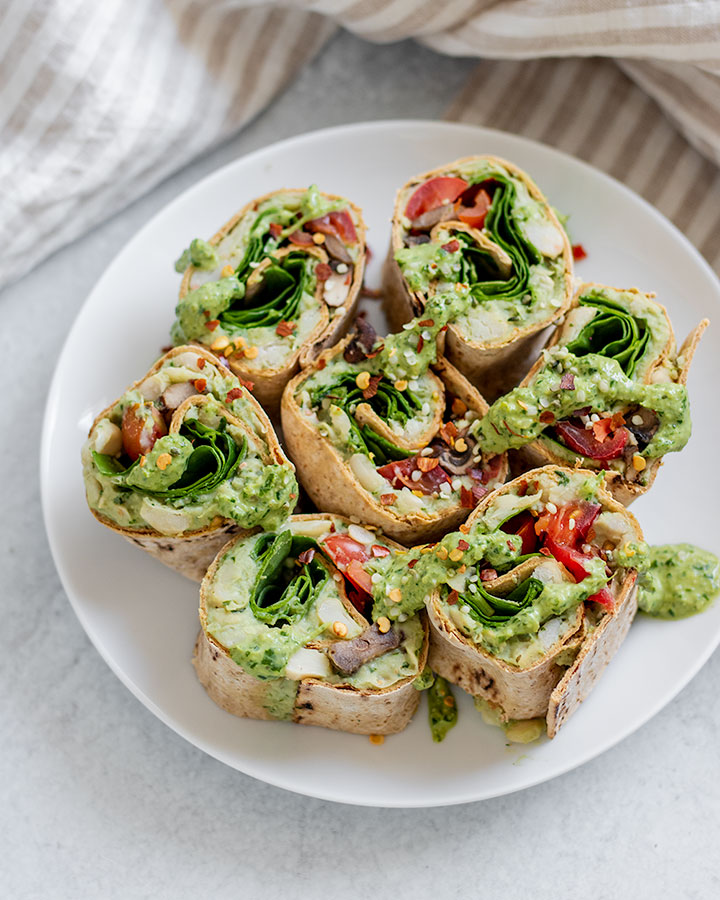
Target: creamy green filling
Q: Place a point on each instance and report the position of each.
(677, 580)
(599, 383)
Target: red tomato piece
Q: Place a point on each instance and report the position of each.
(433, 193)
(141, 427)
(399, 474)
(582, 440)
(342, 549)
(338, 223)
(573, 560)
(475, 215)
(582, 515)
(360, 577)
(579, 252)
(523, 524)
(604, 598)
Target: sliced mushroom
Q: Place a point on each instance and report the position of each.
(336, 249)
(362, 341)
(348, 656)
(433, 216)
(453, 461)
(643, 423)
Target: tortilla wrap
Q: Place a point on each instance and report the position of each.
(191, 551)
(267, 378)
(666, 364)
(561, 679)
(495, 362)
(331, 482)
(336, 704)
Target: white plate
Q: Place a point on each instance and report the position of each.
(143, 618)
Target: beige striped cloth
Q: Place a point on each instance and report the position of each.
(101, 100)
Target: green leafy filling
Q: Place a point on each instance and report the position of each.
(612, 332)
(214, 458)
(490, 610)
(283, 589)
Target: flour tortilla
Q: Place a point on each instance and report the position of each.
(333, 486)
(341, 707)
(540, 453)
(191, 553)
(546, 688)
(494, 365)
(268, 383)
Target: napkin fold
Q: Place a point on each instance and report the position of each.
(101, 101)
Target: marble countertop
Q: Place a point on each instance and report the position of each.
(99, 799)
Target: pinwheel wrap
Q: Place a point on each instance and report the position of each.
(281, 637)
(480, 221)
(274, 286)
(206, 436)
(379, 490)
(630, 328)
(580, 643)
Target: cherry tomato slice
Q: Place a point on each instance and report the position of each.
(558, 527)
(582, 440)
(399, 475)
(604, 598)
(338, 223)
(342, 549)
(573, 560)
(475, 215)
(360, 577)
(433, 193)
(523, 524)
(141, 427)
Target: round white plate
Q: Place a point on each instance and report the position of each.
(143, 618)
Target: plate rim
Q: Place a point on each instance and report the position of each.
(52, 401)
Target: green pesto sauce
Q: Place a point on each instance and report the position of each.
(279, 699)
(678, 580)
(431, 571)
(199, 254)
(149, 477)
(425, 263)
(514, 419)
(442, 709)
(202, 305)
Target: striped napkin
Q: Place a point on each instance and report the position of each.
(100, 101)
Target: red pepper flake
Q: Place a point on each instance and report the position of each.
(451, 246)
(467, 501)
(521, 489)
(427, 463)
(233, 395)
(387, 499)
(321, 363)
(306, 556)
(449, 432)
(579, 252)
(212, 324)
(444, 328)
(246, 383)
(285, 329)
(463, 545)
(206, 313)
(372, 387)
(488, 574)
(544, 550)
(420, 343)
(379, 551)
(201, 362)
(412, 563)
(546, 417)
(452, 598)
(275, 229)
(322, 271)
(567, 382)
(200, 385)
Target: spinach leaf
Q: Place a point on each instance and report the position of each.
(278, 296)
(613, 332)
(490, 610)
(283, 589)
(389, 404)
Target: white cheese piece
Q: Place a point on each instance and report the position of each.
(336, 291)
(367, 474)
(544, 236)
(407, 502)
(305, 663)
(331, 610)
(107, 438)
(163, 519)
(314, 528)
(362, 535)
